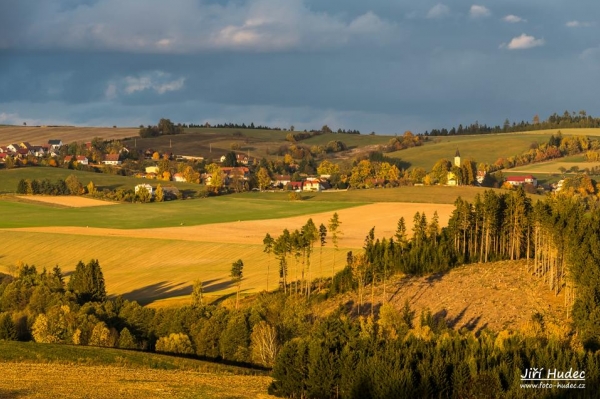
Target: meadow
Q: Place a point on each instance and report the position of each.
(31, 370)
(480, 148)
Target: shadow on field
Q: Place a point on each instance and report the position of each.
(212, 286)
(154, 292)
(13, 393)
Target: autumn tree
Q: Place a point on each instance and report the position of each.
(175, 343)
(328, 168)
(216, 177)
(73, 185)
(263, 178)
(91, 188)
(159, 195)
(190, 175)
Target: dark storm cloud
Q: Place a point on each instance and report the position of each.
(380, 65)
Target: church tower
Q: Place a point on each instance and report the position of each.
(457, 159)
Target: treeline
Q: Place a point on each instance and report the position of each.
(231, 126)
(324, 129)
(40, 306)
(556, 147)
(165, 127)
(555, 121)
(68, 186)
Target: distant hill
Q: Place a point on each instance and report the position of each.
(37, 135)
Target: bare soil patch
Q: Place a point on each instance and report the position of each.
(356, 223)
(33, 380)
(68, 201)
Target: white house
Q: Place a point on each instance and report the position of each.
(13, 147)
(520, 180)
(112, 159)
(55, 144)
(312, 184)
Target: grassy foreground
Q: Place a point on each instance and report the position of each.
(31, 370)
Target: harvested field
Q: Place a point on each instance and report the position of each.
(67, 201)
(36, 135)
(498, 295)
(356, 223)
(37, 380)
(152, 264)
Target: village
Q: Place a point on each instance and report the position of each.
(237, 170)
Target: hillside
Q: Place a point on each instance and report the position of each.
(31, 370)
(37, 135)
(481, 148)
(497, 295)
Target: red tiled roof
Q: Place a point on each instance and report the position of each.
(111, 157)
(519, 178)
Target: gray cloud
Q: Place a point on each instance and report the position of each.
(381, 65)
(189, 26)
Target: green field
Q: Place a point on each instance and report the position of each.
(160, 214)
(31, 370)
(231, 208)
(480, 148)
(553, 167)
(10, 178)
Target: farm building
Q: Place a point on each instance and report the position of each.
(112, 159)
(79, 158)
(312, 184)
(520, 180)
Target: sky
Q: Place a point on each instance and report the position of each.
(384, 66)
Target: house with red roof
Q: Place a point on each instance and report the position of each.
(520, 180)
(112, 159)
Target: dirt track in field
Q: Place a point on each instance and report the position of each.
(68, 201)
(356, 223)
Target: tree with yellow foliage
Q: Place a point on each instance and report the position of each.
(328, 168)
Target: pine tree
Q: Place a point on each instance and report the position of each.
(237, 269)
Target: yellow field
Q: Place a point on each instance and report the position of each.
(40, 135)
(36, 380)
(153, 264)
(68, 201)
